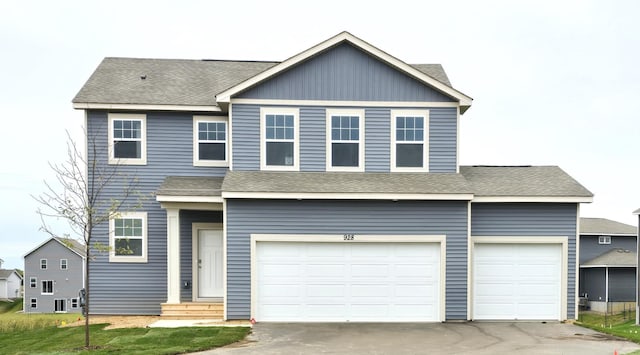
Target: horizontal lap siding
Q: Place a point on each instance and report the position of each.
(531, 219)
(245, 217)
(443, 140)
(139, 288)
(344, 73)
(590, 248)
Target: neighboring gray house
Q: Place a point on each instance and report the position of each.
(608, 262)
(53, 277)
(10, 283)
(326, 187)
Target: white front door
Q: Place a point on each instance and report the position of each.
(209, 263)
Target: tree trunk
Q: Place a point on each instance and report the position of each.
(86, 297)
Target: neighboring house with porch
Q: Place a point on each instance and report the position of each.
(54, 275)
(326, 187)
(608, 263)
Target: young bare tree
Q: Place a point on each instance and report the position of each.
(78, 196)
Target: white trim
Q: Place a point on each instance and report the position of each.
(196, 141)
(32, 301)
(295, 112)
(66, 264)
(224, 259)
(469, 264)
(361, 139)
(603, 265)
(52, 287)
(195, 230)
(33, 280)
(46, 264)
(344, 103)
(205, 206)
(143, 138)
(230, 138)
(101, 106)
(425, 140)
(113, 258)
(457, 141)
(173, 256)
(226, 95)
(339, 238)
(604, 240)
(576, 295)
(63, 303)
(345, 196)
(564, 241)
(609, 234)
(202, 199)
(558, 199)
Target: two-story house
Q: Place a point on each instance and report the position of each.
(608, 264)
(53, 276)
(326, 187)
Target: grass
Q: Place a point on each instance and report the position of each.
(39, 334)
(618, 324)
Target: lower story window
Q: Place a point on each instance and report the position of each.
(47, 287)
(74, 303)
(128, 237)
(60, 305)
(34, 303)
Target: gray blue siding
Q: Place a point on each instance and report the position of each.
(531, 219)
(344, 73)
(67, 283)
(589, 247)
(140, 288)
(442, 138)
(245, 217)
(622, 284)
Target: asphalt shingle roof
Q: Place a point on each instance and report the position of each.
(522, 181)
(614, 257)
(72, 244)
(190, 186)
(179, 81)
(5, 273)
(603, 226)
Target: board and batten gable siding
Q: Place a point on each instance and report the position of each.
(590, 248)
(67, 283)
(531, 219)
(246, 217)
(313, 122)
(344, 73)
(140, 288)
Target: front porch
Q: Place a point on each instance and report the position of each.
(193, 310)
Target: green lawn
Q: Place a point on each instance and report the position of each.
(38, 334)
(618, 325)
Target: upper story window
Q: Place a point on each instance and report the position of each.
(279, 130)
(210, 141)
(604, 239)
(64, 264)
(43, 264)
(128, 237)
(409, 140)
(127, 139)
(345, 140)
(33, 282)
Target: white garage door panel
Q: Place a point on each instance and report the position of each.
(517, 281)
(347, 281)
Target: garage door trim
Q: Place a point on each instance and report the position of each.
(564, 241)
(348, 238)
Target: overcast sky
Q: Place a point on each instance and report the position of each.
(553, 82)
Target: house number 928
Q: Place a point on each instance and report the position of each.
(349, 236)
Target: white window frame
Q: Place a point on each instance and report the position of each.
(64, 264)
(52, 287)
(296, 138)
(145, 239)
(43, 264)
(143, 138)
(63, 302)
(33, 282)
(75, 303)
(425, 140)
(196, 140)
(33, 302)
(361, 139)
(604, 239)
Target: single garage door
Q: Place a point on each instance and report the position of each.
(517, 281)
(342, 282)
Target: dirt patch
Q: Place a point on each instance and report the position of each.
(118, 321)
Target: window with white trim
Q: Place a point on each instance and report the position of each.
(64, 264)
(210, 146)
(409, 140)
(33, 282)
(128, 237)
(604, 239)
(43, 264)
(74, 303)
(345, 140)
(47, 287)
(279, 139)
(34, 303)
(127, 139)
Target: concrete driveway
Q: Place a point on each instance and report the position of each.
(426, 338)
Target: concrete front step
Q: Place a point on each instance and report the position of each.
(194, 310)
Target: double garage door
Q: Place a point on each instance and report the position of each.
(348, 282)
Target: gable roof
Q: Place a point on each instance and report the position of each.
(413, 71)
(614, 258)
(603, 226)
(524, 183)
(5, 273)
(637, 211)
(69, 243)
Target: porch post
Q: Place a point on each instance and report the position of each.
(173, 255)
